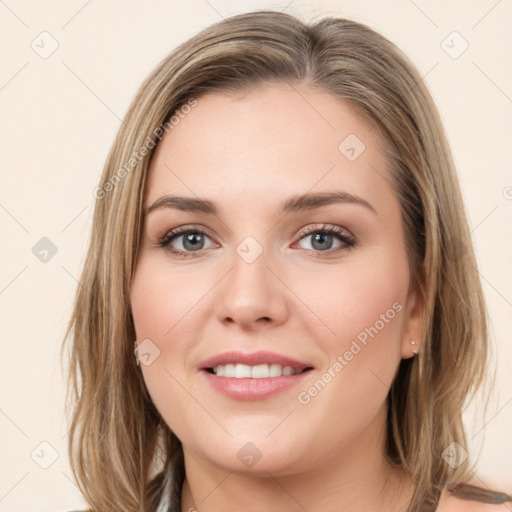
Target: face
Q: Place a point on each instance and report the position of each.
(227, 294)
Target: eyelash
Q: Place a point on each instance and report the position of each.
(165, 240)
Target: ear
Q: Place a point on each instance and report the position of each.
(414, 321)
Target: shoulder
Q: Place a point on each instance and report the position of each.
(473, 500)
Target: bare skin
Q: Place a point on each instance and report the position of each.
(247, 154)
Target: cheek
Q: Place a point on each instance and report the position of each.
(161, 308)
(357, 297)
(363, 306)
(162, 303)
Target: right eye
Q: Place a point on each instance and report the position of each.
(193, 240)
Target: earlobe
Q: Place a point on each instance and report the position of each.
(414, 323)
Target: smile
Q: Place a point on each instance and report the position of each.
(253, 376)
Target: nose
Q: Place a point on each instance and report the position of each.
(252, 296)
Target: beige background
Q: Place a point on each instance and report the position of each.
(58, 118)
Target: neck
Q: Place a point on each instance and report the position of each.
(356, 477)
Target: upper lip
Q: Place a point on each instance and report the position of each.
(253, 359)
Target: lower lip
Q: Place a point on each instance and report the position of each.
(253, 389)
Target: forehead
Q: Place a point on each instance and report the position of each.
(274, 141)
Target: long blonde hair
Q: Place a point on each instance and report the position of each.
(118, 442)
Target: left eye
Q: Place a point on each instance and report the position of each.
(323, 239)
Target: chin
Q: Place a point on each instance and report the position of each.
(254, 455)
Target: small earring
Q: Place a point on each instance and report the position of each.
(136, 352)
(414, 350)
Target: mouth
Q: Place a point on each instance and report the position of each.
(255, 376)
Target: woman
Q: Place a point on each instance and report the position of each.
(280, 228)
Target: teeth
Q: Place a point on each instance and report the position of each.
(242, 371)
(261, 371)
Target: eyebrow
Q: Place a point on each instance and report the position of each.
(293, 204)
